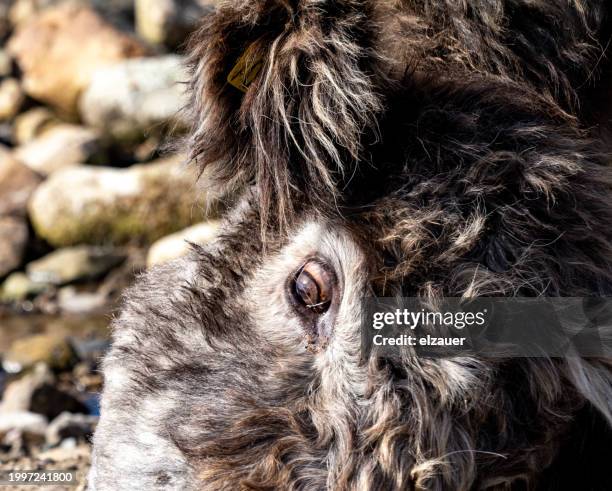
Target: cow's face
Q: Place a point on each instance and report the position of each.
(240, 366)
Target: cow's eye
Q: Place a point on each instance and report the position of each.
(313, 286)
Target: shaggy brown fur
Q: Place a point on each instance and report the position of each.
(424, 148)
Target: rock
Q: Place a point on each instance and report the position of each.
(106, 205)
(73, 302)
(36, 392)
(5, 25)
(11, 98)
(24, 10)
(23, 421)
(13, 241)
(6, 64)
(68, 425)
(18, 394)
(50, 348)
(131, 99)
(17, 183)
(168, 21)
(69, 444)
(60, 48)
(66, 453)
(73, 264)
(18, 287)
(62, 146)
(32, 123)
(177, 245)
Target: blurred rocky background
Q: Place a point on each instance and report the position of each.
(90, 94)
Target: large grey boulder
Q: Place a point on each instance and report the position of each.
(134, 98)
(106, 205)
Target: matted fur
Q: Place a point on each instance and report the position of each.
(423, 148)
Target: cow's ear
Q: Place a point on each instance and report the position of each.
(282, 92)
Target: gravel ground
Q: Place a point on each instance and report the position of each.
(57, 459)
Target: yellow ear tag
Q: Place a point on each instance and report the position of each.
(246, 69)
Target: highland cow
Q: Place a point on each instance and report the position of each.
(421, 148)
